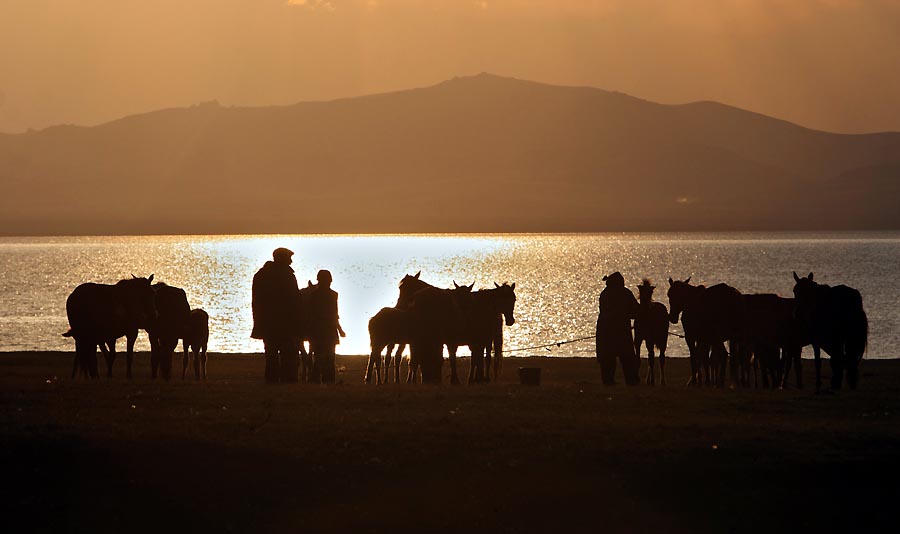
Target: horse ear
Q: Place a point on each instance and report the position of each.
(133, 276)
(796, 278)
(455, 285)
(472, 285)
(671, 282)
(309, 283)
(150, 279)
(688, 279)
(513, 286)
(810, 277)
(417, 275)
(496, 284)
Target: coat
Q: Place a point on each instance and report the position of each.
(616, 307)
(276, 302)
(321, 316)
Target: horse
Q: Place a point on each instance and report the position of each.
(767, 331)
(710, 317)
(437, 318)
(837, 323)
(101, 313)
(484, 330)
(389, 328)
(651, 326)
(196, 339)
(172, 325)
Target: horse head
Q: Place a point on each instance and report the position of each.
(410, 285)
(805, 290)
(506, 298)
(139, 299)
(645, 291)
(679, 294)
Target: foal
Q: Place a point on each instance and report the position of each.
(651, 326)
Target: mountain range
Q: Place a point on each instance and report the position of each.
(473, 154)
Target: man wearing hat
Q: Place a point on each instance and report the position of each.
(276, 316)
(617, 306)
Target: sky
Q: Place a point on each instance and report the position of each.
(826, 64)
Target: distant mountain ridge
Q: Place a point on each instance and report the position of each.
(472, 154)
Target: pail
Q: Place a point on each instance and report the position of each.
(530, 376)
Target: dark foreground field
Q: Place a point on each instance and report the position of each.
(234, 455)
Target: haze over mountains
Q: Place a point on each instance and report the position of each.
(472, 154)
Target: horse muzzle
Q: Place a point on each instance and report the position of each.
(510, 320)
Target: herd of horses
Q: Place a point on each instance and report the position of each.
(99, 314)
(765, 333)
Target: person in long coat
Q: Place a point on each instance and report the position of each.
(616, 308)
(276, 316)
(324, 327)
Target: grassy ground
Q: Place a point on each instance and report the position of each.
(235, 455)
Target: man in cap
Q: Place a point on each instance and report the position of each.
(616, 307)
(276, 316)
(324, 328)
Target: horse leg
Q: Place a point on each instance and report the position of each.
(662, 364)
(129, 352)
(720, 359)
(817, 361)
(370, 365)
(451, 351)
(184, 360)
(398, 360)
(651, 360)
(110, 356)
(202, 355)
(692, 354)
(837, 368)
(498, 355)
(487, 363)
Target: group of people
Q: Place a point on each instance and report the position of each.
(284, 317)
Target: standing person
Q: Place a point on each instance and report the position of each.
(617, 306)
(276, 316)
(324, 328)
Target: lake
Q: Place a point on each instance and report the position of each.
(558, 277)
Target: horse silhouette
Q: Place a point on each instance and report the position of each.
(484, 331)
(651, 326)
(172, 325)
(196, 339)
(437, 318)
(838, 325)
(770, 338)
(390, 328)
(710, 316)
(101, 313)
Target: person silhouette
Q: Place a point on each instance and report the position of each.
(276, 316)
(616, 307)
(324, 328)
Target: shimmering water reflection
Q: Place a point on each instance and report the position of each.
(557, 276)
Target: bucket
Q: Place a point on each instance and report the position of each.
(530, 376)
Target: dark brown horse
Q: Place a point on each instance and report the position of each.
(837, 323)
(484, 331)
(390, 328)
(101, 313)
(651, 326)
(437, 318)
(710, 317)
(195, 340)
(769, 332)
(172, 325)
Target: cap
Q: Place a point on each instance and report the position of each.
(282, 253)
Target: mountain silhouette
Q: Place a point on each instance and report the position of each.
(472, 154)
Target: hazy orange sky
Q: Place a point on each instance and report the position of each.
(827, 64)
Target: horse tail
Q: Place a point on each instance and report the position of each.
(858, 335)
